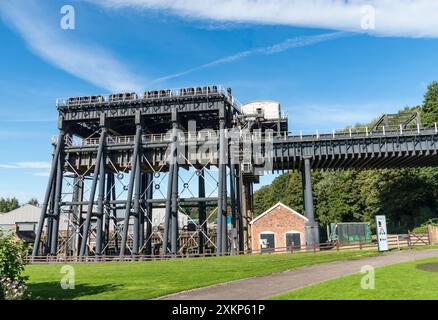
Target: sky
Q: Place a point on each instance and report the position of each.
(330, 63)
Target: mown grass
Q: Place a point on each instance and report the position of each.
(146, 280)
(416, 280)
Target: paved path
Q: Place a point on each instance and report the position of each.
(267, 286)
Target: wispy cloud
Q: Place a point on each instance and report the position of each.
(412, 18)
(25, 165)
(86, 61)
(41, 174)
(288, 44)
(335, 116)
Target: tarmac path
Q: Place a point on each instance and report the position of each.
(264, 287)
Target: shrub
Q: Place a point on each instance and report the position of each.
(424, 228)
(12, 261)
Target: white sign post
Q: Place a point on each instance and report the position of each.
(382, 234)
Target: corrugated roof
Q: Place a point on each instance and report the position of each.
(26, 213)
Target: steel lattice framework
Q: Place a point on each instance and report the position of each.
(117, 159)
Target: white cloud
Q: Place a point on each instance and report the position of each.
(86, 61)
(325, 117)
(412, 18)
(41, 174)
(26, 165)
(288, 44)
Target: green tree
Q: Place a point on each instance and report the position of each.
(429, 111)
(8, 204)
(34, 202)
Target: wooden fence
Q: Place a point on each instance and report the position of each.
(395, 242)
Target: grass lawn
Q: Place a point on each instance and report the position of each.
(145, 280)
(407, 281)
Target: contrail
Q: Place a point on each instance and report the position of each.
(297, 42)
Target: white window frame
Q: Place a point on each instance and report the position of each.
(268, 232)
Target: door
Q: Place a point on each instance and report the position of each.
(293, 241)
(267, 242)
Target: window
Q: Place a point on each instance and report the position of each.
(293, 240)
(267, 241)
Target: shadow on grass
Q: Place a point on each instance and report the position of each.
(53, 290)
(430, 267)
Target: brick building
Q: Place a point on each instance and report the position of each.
(278, 227)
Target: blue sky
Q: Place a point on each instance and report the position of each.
(326, 72)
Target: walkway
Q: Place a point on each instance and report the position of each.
(267, 286)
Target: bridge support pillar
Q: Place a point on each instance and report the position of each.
(133, 181)
(312, 229)
(246, 214)
(97, 165)
(202, 213)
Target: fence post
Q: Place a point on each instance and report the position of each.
(337, 245)
(360, 244)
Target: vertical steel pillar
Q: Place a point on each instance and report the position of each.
(132, 177)
(149, 189)
(246, 212)
(239, 209)
(114, 210)
(312, 230)
(97, 164)
(202, 212)
(109, 184)
(75, 214)
(142, 209)
(233, 209)
(100, 205)
(174, 222)
(57, 202)
(170, 182)
(224, 236)
(53, 170)
(80, 217)
(220, 203)
(49, 226)
(137, 210)
(167, 216)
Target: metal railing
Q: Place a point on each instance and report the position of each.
(97, 100)
(395, 242)
(212, 135)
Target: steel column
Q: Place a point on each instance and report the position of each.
(109, 185)
(137, 211)
(53, 170)
(233, 210)
(49, 226)
(97, 164)
(312, 230)
(174, 220)
(148, 189)
(220, 203)
(202, 212)
(57, 203)
(170, 184)
(224, 236)
(75, 214)
(142, 210)
(100, 206)
(130, 189)
(239, 209)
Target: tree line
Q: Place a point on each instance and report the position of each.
(9, 204)
(408, 197)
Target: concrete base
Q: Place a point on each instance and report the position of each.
(312, 233)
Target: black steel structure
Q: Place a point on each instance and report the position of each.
(190, 152)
